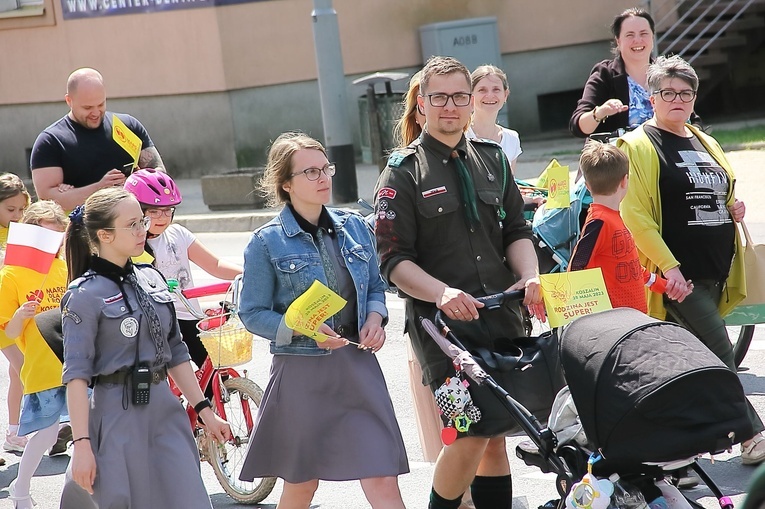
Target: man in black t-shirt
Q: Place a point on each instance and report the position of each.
(77, 155)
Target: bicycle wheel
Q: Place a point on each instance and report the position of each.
(741, 338)
(241, 399)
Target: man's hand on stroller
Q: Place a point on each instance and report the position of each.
(533, 298)
(458, 305)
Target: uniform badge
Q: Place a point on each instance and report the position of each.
(386, 192)
(129, 327)
(68, 313)
(390, 215)
(433, 192)
(382, 205)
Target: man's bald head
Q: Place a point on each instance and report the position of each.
(86, 97)
(83, 76)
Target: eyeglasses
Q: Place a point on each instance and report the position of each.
(157, 213)
(314, 173)
(460, 99)
(668, 95)
(137, 228)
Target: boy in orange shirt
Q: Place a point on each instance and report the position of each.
(606, 242)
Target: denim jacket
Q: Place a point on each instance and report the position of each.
(281, 262)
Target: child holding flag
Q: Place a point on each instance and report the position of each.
(33, 280)
(14, 198)
(606, 242)
(326, 413)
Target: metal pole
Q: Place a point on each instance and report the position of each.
(375, 136)
(334, 107)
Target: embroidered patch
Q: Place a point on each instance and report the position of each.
(386, 192)
(129, 327)
(113, 299)
(382, 205)
(433, 192)
(68, 313)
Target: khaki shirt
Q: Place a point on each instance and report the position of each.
(420, 217)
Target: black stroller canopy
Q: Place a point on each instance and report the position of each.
(648, 390)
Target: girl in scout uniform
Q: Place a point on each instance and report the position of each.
(14, 198)
(44, 395)
(133, 445)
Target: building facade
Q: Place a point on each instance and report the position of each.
(215, 81)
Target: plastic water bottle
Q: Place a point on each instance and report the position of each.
(626, 496)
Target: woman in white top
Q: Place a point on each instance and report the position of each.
(490, 91)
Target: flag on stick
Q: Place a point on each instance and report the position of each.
(126, 139)
(32, 246)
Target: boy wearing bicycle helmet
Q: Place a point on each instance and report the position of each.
(173, 246)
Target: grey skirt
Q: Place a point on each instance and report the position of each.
(327, 417)
(146, 455)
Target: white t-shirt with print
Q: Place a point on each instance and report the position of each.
(510, 142)
(171, 257)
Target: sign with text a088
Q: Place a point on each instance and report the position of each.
(75, 9)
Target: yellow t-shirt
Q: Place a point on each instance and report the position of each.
(41, 369)
(4, 341)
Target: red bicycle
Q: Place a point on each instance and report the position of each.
(235, 397)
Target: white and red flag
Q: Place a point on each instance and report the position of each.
(32, 246)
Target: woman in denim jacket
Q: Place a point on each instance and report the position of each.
(326, 413)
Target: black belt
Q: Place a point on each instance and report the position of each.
(347, 331)
(119, 377)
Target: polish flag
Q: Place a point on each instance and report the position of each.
(32, 246)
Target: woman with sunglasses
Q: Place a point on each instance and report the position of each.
(174, 246)
(133, 446)
(682, 211)
(326, 413)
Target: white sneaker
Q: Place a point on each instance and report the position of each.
(14, 443)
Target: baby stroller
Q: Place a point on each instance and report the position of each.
(651, 398)
(557, 230)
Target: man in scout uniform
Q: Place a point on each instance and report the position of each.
(449, 227)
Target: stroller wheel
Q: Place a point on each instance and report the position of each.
(562, 485)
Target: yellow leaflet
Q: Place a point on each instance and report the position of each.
(556, 181)
(126, 139)
(310, 310)
(542, 178)
(569, 295)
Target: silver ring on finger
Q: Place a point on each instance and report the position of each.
(457, 312)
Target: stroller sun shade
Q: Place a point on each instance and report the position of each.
(650, 391)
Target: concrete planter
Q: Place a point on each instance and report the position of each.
(236, 190)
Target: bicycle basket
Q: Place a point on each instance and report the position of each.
(227, 345)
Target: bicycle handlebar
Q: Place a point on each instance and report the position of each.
(206, 290)
(202, 291)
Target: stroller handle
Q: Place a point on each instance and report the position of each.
(490, 302)
(494, 301)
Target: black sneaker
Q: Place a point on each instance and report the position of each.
(64, 437)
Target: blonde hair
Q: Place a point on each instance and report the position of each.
(11, 185)
(279, 165)
(45, 211)
(407, 129)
